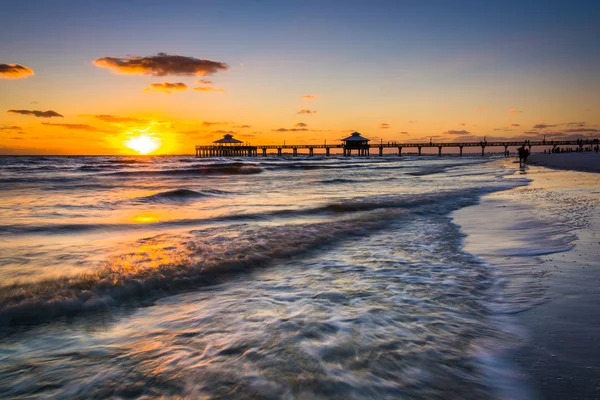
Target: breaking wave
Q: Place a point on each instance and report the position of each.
(179, 196)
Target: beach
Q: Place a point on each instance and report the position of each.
(586, 161)
(549, 272)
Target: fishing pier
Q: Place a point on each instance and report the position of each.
(357, 144)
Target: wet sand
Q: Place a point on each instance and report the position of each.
(587, 161)
(551, 291)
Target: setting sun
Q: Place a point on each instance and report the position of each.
(143, 144)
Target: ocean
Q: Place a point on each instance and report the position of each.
(174, 277)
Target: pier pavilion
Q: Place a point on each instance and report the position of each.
(227, 146)
(356, 142)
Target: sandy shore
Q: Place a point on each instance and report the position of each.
(587, 161)
(545, 248)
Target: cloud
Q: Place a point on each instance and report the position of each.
(309, 96)
(290, 129)
(208, 123)
(482, 108)
(78, 127)
(576, 124)
(15, 71)
(162, 64)
(166, 87)
(241, 126)
(513, 111)
(39, 114)
(208, 89)
(412, 121)
(463, 124)
(300, 125)
(9, 128)
(116, 119)
(583, 130)
(383, 125)
(543, 126)
(221, 131)
(306, 112)
(203, 82)
(453, 132)
(513, 125)
(404, 133)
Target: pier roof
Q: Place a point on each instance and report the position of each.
(228, 139)
(355, 137)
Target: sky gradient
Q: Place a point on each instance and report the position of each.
(303, 72)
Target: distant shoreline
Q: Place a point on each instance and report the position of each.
(585, 162)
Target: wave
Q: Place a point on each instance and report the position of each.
(204, 261)
(179, 196)
(236, 168)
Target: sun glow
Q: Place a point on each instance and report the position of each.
(143, 144)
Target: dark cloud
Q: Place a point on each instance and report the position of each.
(77, 127)
(404, 133)
(39, 114)
(166, 87)
(591, 130)
(543, 126)
(241, 126)
(300, 125)
(463, 124)
(454, 132)
(383, 125)
(162, 64)
(208, 123)
(306, 112)
(290, 129)
(15, 71)
(223, 132)
(515, 125)
(9, 128)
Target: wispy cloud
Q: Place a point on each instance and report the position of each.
(208, 89)
(15, 71)
(241, 126)
(576, 124)
(78, 127)
(543, 126)
(513, 111)
(513, 125)
(413, 121)
(223, 132)
(116, 119)
(203, 82)
(209, 123)
(36, 113)
(306, 112)
(300, 125)
(166, 87)
(462, 124)
(161, 64)
(591, 130)
(290, 129)
(404, 133)
(455, 132)
(309, 96)
(9, 128)
(383, 125)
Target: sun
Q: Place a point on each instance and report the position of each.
(143, 144)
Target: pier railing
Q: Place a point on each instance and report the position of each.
(253, 150)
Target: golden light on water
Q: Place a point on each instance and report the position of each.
(143, 144)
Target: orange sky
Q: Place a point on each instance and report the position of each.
(77, 89)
